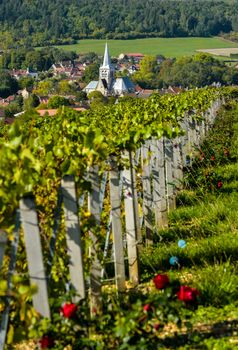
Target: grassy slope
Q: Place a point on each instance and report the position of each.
(169, 47)
(208, 221)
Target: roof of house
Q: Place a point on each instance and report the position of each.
(92, 85)
(174, 89)
(52, 112)
(49, 112)
(145, 93)
(123, 84)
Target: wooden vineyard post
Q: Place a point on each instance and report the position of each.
(147, 193)
(115, 199)
(131, 207)
(169, 174)
(199, 132)
(3, 242)
(73, 236)
(158, 181)
(136, 202)
(208, 120)
(185, 139)
(193, 134)
(177, 163)
(34, 255)
(96, 268)
(196, 135)
(201, 128)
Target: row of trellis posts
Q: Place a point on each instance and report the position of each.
(162, 162)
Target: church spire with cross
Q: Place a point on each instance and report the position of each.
(106, 71)
(106, 58)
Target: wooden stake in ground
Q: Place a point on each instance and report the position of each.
(185, 142)
(147, 192)
(131, 207)
(3, 242)
(168, 146)
(34, 255)
(177, 163)
(159, 185)
(96, 268)
(115, 199)
(73, 236)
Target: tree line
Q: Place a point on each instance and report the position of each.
(188, 72)
(39, 60)
(45, 22)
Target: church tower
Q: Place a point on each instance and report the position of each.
(106, 72)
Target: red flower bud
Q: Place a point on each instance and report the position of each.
(69, 310)
(94, 310)
(213, 157)
(219, 184)
(156, 326)
(161, 281)
(146, 307)
(187, 294)
(46, 342)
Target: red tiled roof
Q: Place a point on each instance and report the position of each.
(82, 109)
(138, 88)
(174, 89)
(4, 103)
(10, 98)
(52, 112)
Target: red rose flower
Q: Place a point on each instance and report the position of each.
(202, 156)
(212, 157)
(161, 281)
(187, 294)
(94, 310)
(146, 307)
(219, 184)
(69, 310)
(156, 326)
(46, 342)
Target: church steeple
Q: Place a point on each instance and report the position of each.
(106, 72)
(106, 59)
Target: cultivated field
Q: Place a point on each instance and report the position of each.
(221, 52)
(169, 47)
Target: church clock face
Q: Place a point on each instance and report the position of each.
(104, 73)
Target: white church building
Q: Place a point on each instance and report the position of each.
(108, 84)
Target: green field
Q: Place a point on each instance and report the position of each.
(169, 47)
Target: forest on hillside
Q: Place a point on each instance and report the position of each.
(46, 22)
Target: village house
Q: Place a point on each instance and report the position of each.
(130, 68)
(53, 111)
(70, 69)
(132, 57)
(19, 73)
(4, 102)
